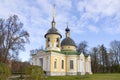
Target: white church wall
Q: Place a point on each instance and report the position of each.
(88, 65)
(34, 62)
(46, 60)
(81, 64)
(81, 70)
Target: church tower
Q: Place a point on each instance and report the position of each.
(53, 36)
(68, 44)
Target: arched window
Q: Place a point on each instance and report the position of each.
(55, 64)
(48, 39)
(71, 64)
(62, 66)
(57, 41)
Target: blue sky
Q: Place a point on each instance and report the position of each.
(95, 21)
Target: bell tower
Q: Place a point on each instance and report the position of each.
(53, 36)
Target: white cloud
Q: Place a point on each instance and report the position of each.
(45, 6)
(101, 13)
(100, 8)
(64, 4)
(93, 28)
(112, 30)
(118, 30)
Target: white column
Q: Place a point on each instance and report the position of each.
(83, 67)
(90, 67)
(87, 66)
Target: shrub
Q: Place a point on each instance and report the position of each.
(34, 73)
(4, 71)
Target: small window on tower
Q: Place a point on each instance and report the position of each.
(48, 45)
(48, 39)
(57, 45)
(57, 39)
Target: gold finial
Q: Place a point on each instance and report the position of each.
(67, 24)
(53, 14)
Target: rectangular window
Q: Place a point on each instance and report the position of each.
(55, 64)
(71, 64)
(62, 64)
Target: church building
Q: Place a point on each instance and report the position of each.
(60, 57)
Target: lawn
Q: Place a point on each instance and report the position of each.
(115, 76)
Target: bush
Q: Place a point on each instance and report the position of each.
(34, 73)
(4, 71)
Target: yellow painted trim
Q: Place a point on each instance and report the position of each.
(68, 48)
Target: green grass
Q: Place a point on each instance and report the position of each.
(115, 76)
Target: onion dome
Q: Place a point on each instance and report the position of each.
(68, 41)
(53, 30)
(67, 29)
